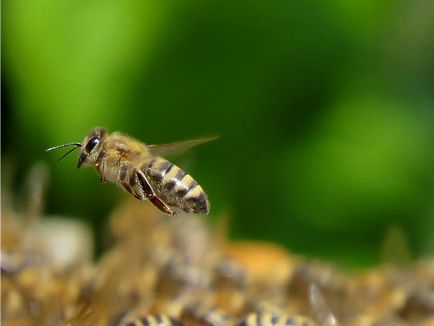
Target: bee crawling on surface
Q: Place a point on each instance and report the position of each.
(275, 319)
(151, 320)
(141, 170)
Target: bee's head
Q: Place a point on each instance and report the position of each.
(91, 147)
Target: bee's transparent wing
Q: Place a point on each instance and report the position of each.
(321, 310)
(166, 149)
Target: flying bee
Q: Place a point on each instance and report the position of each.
(141, 170)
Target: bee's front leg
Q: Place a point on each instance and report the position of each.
(99, 166)
(101, 177)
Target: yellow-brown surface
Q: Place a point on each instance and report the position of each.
(168, 270)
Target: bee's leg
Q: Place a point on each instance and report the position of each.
(149, 193)
(130, 181)
(128, 188)
(161, 205)
(138, 179)
(101, 178)
(98, 164)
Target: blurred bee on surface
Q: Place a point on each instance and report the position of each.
(201, 313)
(141, 170)
(151, 320)
(418, 303)
(275, 319)
(265, 264)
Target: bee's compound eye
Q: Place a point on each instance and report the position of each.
(92, 143)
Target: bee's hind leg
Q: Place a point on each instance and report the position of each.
(149, 193)
(161, 205)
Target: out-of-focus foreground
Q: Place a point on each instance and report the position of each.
(160, 270)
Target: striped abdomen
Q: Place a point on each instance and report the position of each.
(175, 187)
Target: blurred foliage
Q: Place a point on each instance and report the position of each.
(324, 110)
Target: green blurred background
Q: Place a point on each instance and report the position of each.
(324, 109)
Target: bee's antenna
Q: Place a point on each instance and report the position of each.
(77, 145)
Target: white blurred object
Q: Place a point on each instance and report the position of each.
(63, 242)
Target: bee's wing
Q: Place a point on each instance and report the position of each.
(165, 149)
(321, 310)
